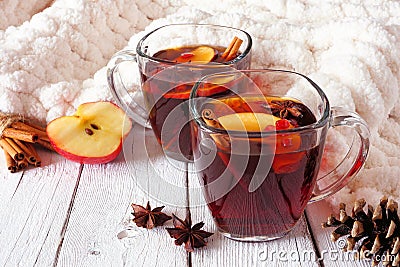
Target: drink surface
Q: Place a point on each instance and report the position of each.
(258, 186)
(192, 54)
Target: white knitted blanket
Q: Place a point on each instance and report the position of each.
(53, 56)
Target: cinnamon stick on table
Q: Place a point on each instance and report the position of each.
(28, 128)
(11, 165)
(38, 161)
(45, 144)
(35, 126)
(10, 150)
(42, 138)
(17, 142)
(14, 145)
(29, 155)
(20, 135)
(22, 164)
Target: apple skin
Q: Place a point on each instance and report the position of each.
(66, 128)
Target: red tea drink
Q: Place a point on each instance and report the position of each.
(170, 59)
(257, 186)
(166, 93)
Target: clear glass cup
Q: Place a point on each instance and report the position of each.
(161, 101)
(258, 145)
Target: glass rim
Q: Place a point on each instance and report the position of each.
(195, 116)
(233, 61)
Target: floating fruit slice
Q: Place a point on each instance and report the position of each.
(179, 92)
(255, 122)
(287, 163)
(247, 121)
(216, 86)
(287, 145)
(201, 54)
(182, 92)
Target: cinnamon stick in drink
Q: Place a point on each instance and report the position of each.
(211, 120)
(229, 47)
(232, 49)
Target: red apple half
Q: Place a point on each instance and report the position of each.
(93, 135)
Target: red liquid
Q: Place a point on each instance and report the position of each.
(286, 179)
(166, 95)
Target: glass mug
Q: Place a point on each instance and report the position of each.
(161, 102)
(258, 146)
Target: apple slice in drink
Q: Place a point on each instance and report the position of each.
(247, 121)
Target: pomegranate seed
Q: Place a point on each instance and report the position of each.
(282, 124)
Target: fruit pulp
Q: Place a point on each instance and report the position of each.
(261, 192)
(166, 96)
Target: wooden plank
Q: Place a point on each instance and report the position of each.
(9, 182)
(331, 252)
(101, 212)
(295, 249)
(33, 211)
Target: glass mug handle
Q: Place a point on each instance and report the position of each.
(343, 173)
(121, 95)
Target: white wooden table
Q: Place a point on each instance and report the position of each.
(67, 214)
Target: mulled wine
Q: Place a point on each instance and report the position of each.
(166, 92)
(257, 185)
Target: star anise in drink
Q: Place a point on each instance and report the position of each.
(184, 232)
(147, 218)
(285, 108)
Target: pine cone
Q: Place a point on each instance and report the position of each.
(374, 233)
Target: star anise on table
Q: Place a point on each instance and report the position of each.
(284, 108)
(147, 218)
(184, 232)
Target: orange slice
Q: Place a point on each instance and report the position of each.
(216, 86)
(199, 55)
(287, 163)
(178, 93)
